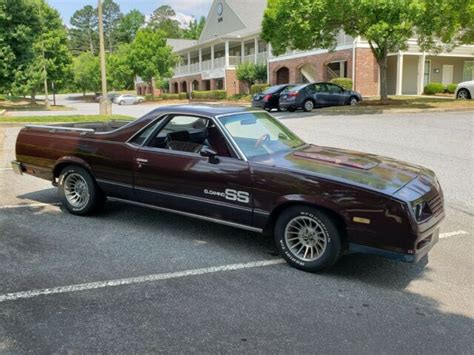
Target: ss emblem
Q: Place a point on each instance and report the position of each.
(239, 196)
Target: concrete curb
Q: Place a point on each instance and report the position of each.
(400, 110)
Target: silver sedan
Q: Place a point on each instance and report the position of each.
(128, 99)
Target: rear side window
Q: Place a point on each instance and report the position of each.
(145, 133)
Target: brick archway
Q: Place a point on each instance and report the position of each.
(184, 86)
(176, 87)
(282, 75)
(195, 85)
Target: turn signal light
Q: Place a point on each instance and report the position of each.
(293, 93)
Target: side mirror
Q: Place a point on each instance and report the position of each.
(211, 154)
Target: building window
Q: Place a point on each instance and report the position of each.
(468, 72)
(426, 74)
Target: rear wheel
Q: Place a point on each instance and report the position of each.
(307, 238)
(463, 94)
(79, 192)
(308, 105)
(353, 101)
(121, 102)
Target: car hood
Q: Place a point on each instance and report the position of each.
(381, 174)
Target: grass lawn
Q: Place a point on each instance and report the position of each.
(407, 102)
(52, 119)
(16, 103)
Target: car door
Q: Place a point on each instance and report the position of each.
(336, 94)
(318, 93)
(171, 173)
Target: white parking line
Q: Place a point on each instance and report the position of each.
(136, 280)
(452, 234)
(29, 205)
(1, 169)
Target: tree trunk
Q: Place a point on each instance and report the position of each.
(33, 96)
(150, 85)
(382, 62)
(91, 42)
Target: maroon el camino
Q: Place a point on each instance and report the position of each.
(244, 169)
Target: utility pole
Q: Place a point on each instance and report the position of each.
(105, 104)
(45, 72)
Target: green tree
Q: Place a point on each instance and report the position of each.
(119, 72)
(385, 24)
(83, 33)
(150, 57)
(112, 17)
(251, 73)
(19, 27)
(87, 72)
(51, 55)
(163, 19)
(129, 25)
(195, 28)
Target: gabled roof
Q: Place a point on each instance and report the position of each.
(179, 44)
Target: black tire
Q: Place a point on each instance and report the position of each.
(291, 109)
(121, 102)
(353, 101)
(329, 254)
(96, 198)
(308, 105)
(463, 94)
(266, 108)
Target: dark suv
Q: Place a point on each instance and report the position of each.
(308, 96)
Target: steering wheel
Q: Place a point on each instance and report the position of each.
(264, 137)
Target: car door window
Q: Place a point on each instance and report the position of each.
(334, 89)
(190, 134)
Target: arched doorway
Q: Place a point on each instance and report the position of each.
(176, 88)
(184, 87)
(195, 85)
(283, 76)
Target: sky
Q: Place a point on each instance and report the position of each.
(195, 8)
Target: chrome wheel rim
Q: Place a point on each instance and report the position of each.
(354, 102)
(76, 190)
(306, 238)
(308, 105)
(462, 94)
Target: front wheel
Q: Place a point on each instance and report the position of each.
(463, 94)
(121, 103)
(78, 191)
(308, 105)
(307, 238)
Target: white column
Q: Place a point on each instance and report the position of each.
(399, 73)
(212, 56)
(226, 54)
(200, 59)
(256, 49)
(342, 74)
(189, 62)
(421, 74)
(242, 51)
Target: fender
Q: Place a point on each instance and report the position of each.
(66, 160)
(311, 200)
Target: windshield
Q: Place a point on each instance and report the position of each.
(258, 133)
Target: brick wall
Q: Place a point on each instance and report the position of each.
(230, 80)
(189, 80)
(366, 73)
(318, 61)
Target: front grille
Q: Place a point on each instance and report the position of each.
(436, 205)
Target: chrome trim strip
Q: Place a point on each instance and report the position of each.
(195, 198)
(129, 186)
(192, 215)
(60, 128)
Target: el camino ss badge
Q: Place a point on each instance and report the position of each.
(230, 194)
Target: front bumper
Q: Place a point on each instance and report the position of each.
(426, 241)
(17, 167)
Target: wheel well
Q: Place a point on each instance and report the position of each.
(58, 168)
(340, 223)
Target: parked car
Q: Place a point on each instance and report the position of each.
(245, 169)
(128, 99)
(111, 96)
(465, 90)
(309, 96)
(270, 98)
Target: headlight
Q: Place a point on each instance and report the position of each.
(422, 211)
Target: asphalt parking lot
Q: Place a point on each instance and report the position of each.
(135, 280)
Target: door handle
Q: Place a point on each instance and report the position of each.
(141, 161)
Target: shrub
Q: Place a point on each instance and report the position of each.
(451, 88)
(346, 83)
(170, 96)
(212, 95)
(434, 88)
(257, 88)
(183, 95)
